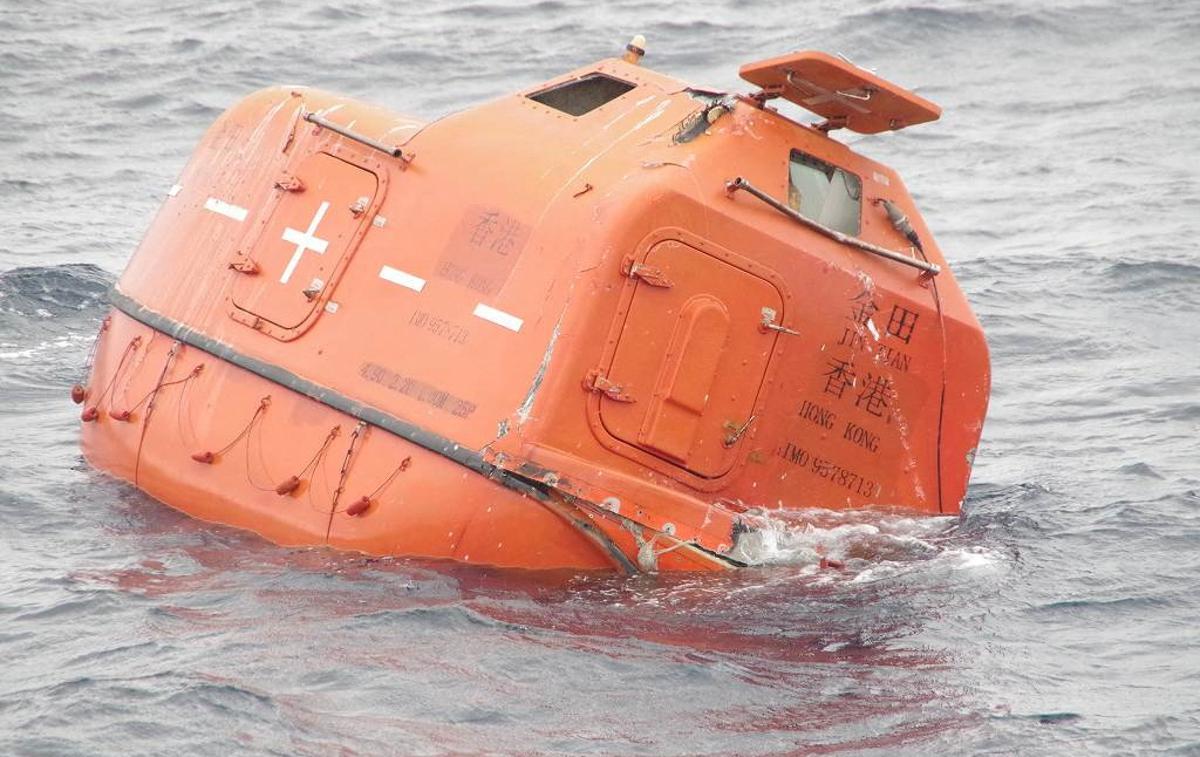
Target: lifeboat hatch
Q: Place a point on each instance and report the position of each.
(691, 359)
(843, 93)
(304, 246)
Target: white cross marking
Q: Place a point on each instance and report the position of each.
(823, 95)
(304, 240)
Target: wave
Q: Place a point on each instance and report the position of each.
(998, 21)
(38, 292)
(1139, 276)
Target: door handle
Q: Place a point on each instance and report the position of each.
(768, 323)
(735, 432)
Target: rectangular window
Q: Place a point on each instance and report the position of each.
(824, 193)
(582, 95)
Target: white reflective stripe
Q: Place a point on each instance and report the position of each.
(304, 240)
(498, 317)
(174, 190)
(403, 278)
(220, 207)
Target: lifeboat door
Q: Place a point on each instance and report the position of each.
(691, 359)
(304, 246)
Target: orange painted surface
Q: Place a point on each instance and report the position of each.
(837, 89)
(536, 340)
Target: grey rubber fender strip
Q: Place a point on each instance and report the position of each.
(326, 396)
(411, 432)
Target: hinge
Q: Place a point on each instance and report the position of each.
(290, 183)
(769, 92)
(652, 275)
(313, 290)
(245, 265)
(829, 124)
(595, 381)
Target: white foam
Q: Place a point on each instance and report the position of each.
(54, 345)
(870, 544)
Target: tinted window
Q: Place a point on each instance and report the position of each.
(582, 95)
(825, 193)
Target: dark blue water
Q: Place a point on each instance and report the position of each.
(1060, 615)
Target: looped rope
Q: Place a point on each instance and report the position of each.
(363, 503)
(292, 483)
(79, 390)
(210, 457)
(152, 396)
(182, 410)
(403, 466)
(341, 487)
(92, 412)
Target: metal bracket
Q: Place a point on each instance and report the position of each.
(314, 289)
(770, 92)
(595, 381)
(652, 275)
(736, 432)
(290, 183)
(768, 323)
(830, 124)
(245, 265)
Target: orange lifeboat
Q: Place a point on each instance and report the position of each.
(600, 323)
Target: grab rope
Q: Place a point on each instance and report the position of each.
(269, 487)
(362, 504)
(120, 390)
(153, 395)
(182, 409)
(128, 414)
(79, 390)
(208, 458)
(341, 487)
(292, 483)
(92, 412)
(403, 466)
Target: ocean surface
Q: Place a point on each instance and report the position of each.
(1059, 615)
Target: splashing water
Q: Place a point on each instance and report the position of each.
(867, 544)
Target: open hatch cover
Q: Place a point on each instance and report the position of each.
(840, 91)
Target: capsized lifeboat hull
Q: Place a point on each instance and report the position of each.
(593, 325)
(222, 444)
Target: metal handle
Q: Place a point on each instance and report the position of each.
(768, 323)
(348, 133)
(734, 185)
(736, 432)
